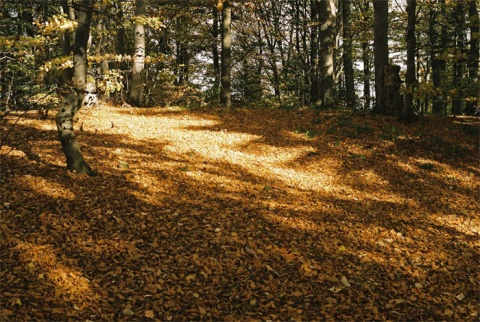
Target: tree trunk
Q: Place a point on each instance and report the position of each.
(458, 97)
(473, 57)
(392, 99)
(407, 111)
(77, 100)
(225, 94)
(347, 54)
(438, 46)
(215, 54)
(380, 51)
(67, 36)
(327, 37)
(365, 7)
(138, 74)
(314, 54)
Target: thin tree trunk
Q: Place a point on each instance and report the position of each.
(473, 57)
(67, 36)
(407, 114)
(225, 94)
(314, 54)
(347, 54)
(438, 46)
(380, 51)
(459, 64)
(215, 54)
(366, 58)
(138, 74)
(83, 96)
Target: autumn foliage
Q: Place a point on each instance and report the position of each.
(236, 215)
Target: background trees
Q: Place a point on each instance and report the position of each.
(267, 53)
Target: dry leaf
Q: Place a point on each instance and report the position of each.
(149, 314)
(128, 312)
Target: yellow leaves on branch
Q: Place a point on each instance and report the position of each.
(57, 24)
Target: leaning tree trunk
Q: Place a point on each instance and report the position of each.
(226, 69)
(407, 114)
(380, 52)
(137, 85)
(84, 94)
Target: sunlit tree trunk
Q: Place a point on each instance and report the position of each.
(380, 51)
(407, 114)
(326, 16)
(225, 93)
(67, 36)
(83, 96)
(138, 74)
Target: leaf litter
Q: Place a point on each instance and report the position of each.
(241, 215)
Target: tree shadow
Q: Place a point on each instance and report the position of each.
(196, 237)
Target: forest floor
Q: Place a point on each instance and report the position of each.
(239, 215)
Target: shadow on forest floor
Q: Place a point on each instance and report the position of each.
(242, 214)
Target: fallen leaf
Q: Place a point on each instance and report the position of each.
(149, 314)
(128, 312)
(345, 282)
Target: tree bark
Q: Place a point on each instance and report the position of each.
(392, 99)
(138, 74)
(84, 94)
(67, 36)
(327, 37)
(225, 93)
(347, 54)
(473, 57)
(408, 114)
(366, 59)
(380, 51)
(314, 54)
(438, 46)
(458, 97)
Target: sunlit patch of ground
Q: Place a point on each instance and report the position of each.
(241, 214)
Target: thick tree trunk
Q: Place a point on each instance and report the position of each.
(77, 100)
(473, 57)
(380, 51)
(392, 100)
(225, 94)
(347, 54)
(138, 74)
(327, 37)
(408, 114)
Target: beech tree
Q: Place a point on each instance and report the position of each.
(225, 93)
(138, 74)
(380, 52)
(84, 94)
